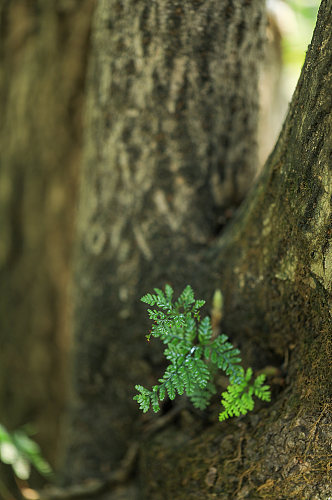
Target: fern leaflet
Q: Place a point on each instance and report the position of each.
(194, 356)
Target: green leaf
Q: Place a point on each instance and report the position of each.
(149, 299)
(190, 330)
(169, 292)
(186, 298)
(4, 435)
(162, 301)
(162, 393)
(204, 330)
(199, 304)
(179, 383)
(194, 358)
(154, 402)
(20, 451)
(170, 389)
(22, 468)
(214, 356)
(238, 400)
(200, 398)
(8, 453)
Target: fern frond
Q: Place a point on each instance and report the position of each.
(190, 331)
(185, 299)
(225, 356)
(194, 358)
(170, 387)
(158, 299)
(167, 330)
(261, 391)
(169, 292)
(200, 398)
(156, 315)
(198, 371)
(198, 304)
(238, 399)
(204, 331)
(143, 398)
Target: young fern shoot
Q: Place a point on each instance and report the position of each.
(194, 356)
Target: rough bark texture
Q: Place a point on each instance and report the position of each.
(170, 143)
(275, 265)
(43, 46)
(154, 165)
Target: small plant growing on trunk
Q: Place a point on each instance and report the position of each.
(195, 354)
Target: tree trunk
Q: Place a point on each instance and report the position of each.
(275, 267)
(170, 148)
(43, 47)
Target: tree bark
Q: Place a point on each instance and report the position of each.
(275, 268)
(43, 59)
(165, 156)
(170, 146)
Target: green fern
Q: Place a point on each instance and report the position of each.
(238, 399)
(194, 357)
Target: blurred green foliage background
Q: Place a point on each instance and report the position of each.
(296, 19)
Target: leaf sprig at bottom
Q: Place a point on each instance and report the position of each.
(194, 357)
